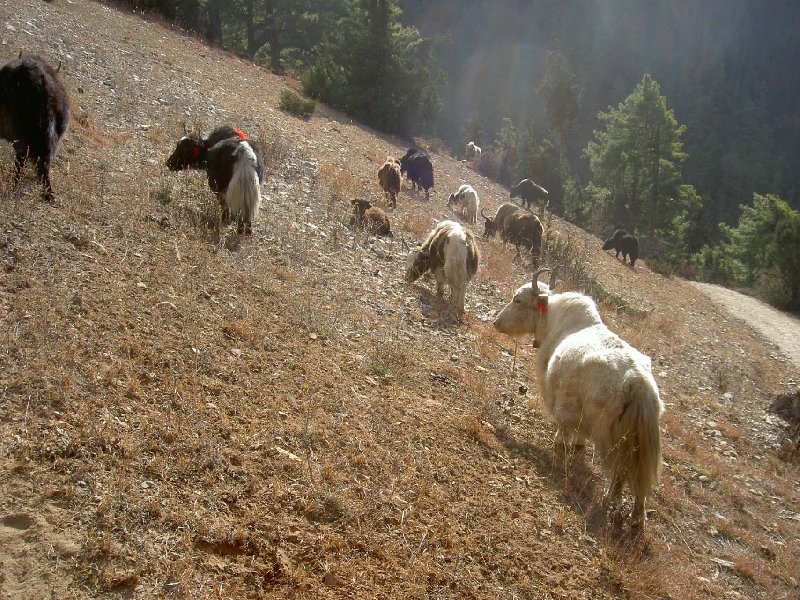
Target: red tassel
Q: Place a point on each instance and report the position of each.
(240, 133)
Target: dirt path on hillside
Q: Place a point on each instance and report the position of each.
(774, 325)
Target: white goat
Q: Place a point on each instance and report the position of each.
(593, 385)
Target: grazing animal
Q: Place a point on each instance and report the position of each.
(371, 218)
(232, 169)
(473, 151)
(34, 114)
(517, 226)
(467, 199)
(529, 192)
(390, 180)
(594, 385)
(191, 151)
(417, 166)
(451, 253)
(624, 242)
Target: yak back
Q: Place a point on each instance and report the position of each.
(524, 229)
(32, 98)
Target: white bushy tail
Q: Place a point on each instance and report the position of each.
(243, 197)
(641, 450)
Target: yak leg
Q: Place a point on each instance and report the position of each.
(43, 170)
(21, 150)
(440, 281)
(226, 215)
(457, 296)
(638, 514)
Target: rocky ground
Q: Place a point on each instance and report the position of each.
(189, 413)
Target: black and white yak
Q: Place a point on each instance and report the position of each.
(34, 114)
(466, 198)
(233, 173)
(234, 167)
(191, 151)
(451, 253)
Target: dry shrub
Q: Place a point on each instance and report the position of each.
(499, 263)
(417, 224)
(340, 182)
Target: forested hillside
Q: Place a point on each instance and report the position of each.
(665, 118)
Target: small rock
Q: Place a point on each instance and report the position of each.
(236, 352)
(331, 579)
(722, 563)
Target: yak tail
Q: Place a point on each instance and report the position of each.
(639, 425)
(243, 196)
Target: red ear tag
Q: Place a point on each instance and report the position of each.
(240, 133)
(196, 151)
(541, 307)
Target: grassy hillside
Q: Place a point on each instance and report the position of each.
(187, 413)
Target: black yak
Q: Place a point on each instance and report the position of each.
(623, 242)
(34, 114)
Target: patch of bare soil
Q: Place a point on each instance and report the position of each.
(188, 413)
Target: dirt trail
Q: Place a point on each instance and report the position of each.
(777, 327)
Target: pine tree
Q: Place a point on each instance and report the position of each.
(637, 159)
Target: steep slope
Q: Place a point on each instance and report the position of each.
(189, 413)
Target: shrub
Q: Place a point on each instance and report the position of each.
(295, 105)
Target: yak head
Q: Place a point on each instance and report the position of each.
(190, 153)
(611, 242)
(489, 226)
(521, 316)
(417, 262)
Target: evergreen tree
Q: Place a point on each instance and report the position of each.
(760, 251)
(506, 147)
(637, 159)
(562, 99)
(375, 69)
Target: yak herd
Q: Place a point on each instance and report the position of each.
(594, 385)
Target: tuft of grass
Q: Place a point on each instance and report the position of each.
(295, 105)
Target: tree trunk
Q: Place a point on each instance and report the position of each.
(272, 36)
(251, 34)
(214, 10)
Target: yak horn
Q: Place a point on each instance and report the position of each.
(185, 131)
(553, 277)
(539, 272)
(483, 215)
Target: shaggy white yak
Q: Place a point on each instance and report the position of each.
(593, 384)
